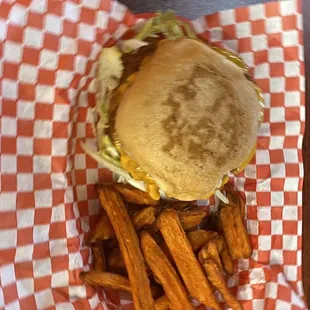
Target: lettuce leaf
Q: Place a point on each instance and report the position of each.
(167, 24)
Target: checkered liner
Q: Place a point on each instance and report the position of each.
(48, 52)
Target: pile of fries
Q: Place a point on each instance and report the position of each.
(163, 252)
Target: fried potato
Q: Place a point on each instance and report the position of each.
(107, 280)
(152, 229)
(235, 233)
(144, 217)
(103, 230)
(227, 259)
(217, 280)
(133, 195)
(180, 205)
(184, 258)
(115, 260)
(191, 218)
(198, 238)
(162, 303)
(166, 251)
(209, 251)
(133, 208)
(234, 198)
(165, 273)
(99, 262)
(129, 246)
(242, 234)
(112, 281)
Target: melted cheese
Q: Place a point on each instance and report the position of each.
(138, 174)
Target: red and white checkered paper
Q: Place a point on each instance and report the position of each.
(48, 60)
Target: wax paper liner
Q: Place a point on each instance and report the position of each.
(48, 61)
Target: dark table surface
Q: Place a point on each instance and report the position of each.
(195, 8)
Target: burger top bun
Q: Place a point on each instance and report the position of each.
(190, 117)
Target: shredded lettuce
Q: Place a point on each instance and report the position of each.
(104, 159)
(110, 67)
(109, 72)
(109, 147)
(167, 24)
(221, 196)
(128, 46)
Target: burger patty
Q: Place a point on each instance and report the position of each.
(132, 61)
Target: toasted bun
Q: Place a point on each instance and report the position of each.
(190, 117)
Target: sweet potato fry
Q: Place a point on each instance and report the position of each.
(235, 233)
(191, 218)
(219, 243)
(103, 230)
(162, 303)
(183, 255)
(234, 198)
(133, 195)
(166, 251)
(209, 251)
(99, 262)
(243, 234)
(115, 260)
(129, 245)
(112, 281)
(180, 205)
(144, 217)
(152, 229)
(165, 273)
(217, 280)
(133, 208)
(227, 259)
(107, 280)
(198, 238)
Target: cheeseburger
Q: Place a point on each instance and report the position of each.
(176, 115)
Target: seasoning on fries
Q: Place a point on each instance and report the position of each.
(162, 303)
(227, 259)
(144, 217)
(235, 232)
(181, 205)
(184, 258)
(99, 262)
(168, 251)
(234, 198)
(210, 251)
(165, 273)
(116, 262)
(103, 230)
(191, 218)
(133, 195)
(217, 280)
(198, 238)
(129, 245)
(107, 280)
